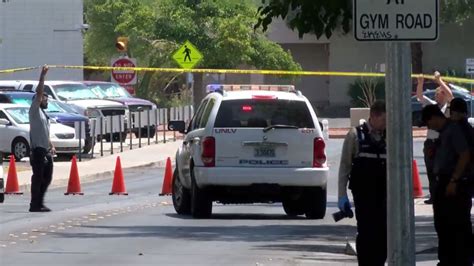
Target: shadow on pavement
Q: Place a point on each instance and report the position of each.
(259, 233)
(330, 248)
(240, 216)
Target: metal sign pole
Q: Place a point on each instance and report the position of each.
(111, 118)
(139, 128)
(130, 128)
(120, 130)
(148, 125)
(472, 105)
(165, 123)
(400, 209)
(156, 126)
(94, 126)
(102, 136)
(176, 117)
(80, 141)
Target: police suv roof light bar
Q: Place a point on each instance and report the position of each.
(241, 87)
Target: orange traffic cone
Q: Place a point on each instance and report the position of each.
(118, 186)
(417, 189)
(12, 179)
(74, 185)
(166, 188)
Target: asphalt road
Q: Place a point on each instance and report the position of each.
(143, 229)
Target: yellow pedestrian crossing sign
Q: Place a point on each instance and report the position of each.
(187, 56)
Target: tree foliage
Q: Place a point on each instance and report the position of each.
(456, 11)
(222, 30)
(319, 17)
(323, 17)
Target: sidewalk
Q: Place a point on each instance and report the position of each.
(340, 133)
(103, 167)
(338, 128)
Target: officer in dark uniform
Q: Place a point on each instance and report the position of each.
(452, 198)
(363, 167)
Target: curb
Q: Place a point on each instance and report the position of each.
(91, 178)
(340, 133)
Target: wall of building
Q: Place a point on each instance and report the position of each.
(349, 55)
(311, 53)
(34, 33)
(455, 44)
(312, 57)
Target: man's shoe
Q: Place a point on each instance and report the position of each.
(429, 201)
(45, 209)
(40, 209)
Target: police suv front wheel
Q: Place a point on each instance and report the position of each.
(315, 203)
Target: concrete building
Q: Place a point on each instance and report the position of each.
(34, 33)
(344, 53)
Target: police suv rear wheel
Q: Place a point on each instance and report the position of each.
(181, 196)
(201, 205)
(315, 201)
(293, 205)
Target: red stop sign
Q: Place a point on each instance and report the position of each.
(124, 77)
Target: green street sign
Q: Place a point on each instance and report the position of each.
(187, 56)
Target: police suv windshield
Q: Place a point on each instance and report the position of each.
(263, 113)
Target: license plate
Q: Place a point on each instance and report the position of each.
(264, 152)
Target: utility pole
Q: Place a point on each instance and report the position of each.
(400, 208)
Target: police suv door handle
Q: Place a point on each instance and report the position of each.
(197, 140)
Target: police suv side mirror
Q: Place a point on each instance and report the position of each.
(177, 125)
(4, 122)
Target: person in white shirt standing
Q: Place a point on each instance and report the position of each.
(443, 97)
(42, 150)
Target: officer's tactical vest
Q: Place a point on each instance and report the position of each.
(369, 170)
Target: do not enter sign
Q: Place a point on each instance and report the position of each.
(124, 77)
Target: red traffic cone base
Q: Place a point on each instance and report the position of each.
(417, 188)
(12, 187)
(118, 186)
(74, 185)
(167, 180)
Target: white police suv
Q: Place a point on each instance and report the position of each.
(248, 144)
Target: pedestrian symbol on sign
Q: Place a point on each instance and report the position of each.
(187, 51)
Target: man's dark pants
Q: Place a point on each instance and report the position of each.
(428, 152)
(371, 214)
(42, 163)
(452, 219)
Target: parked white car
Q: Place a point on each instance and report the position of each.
(15, 133)
(251, 143)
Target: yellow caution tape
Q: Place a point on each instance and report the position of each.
(240, 71)
(6, 71)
